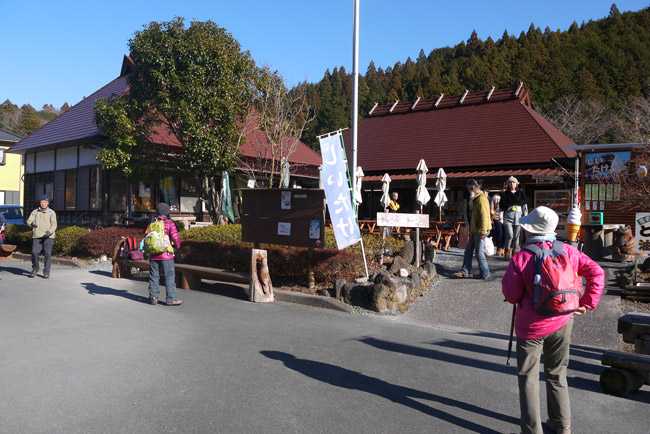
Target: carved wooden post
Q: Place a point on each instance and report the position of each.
(310, 268)
(260, 287)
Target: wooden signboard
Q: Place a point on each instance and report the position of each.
(402, 220)
(283, 216)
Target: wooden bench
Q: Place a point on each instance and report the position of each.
(628, 371)
(189, 276)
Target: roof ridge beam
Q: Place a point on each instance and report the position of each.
(373, 108)
(521, 85)
(462, 98)
(438, 100)
(415, 103)
(390, 110)
(487, 98)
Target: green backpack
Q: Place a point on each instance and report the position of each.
(156, 241)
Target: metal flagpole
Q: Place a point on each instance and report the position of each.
(355, 91)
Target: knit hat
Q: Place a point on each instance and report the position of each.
(541, 221)
(45, 197)
(162, 209)
(513, 179)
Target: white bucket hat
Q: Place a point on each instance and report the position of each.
(541, 221)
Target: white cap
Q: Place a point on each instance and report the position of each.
(541, 221)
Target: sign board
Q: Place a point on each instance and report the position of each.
(402, 220)
(642, 232)
(283, 216)
(604, 166)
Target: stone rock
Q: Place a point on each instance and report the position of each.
(429, 253)
(415, 285)
(402, 293)
(429, 269)
(403, 272)
(338, 286)
(398, 263)
(383, 298)
(323, 292)
(356, 295)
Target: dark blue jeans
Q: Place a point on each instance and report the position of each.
(475, 245)
(497, 234)
(170, 279)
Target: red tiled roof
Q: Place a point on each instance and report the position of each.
(500, 131)
(75, 124)
(472, 174)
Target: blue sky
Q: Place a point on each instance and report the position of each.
(60, 51)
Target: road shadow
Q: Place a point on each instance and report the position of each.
(348, 379)
(14, 270)
(101, 273)
(590, 383)
(94, 289)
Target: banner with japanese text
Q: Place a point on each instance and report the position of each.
(337, 192)
(642, 232)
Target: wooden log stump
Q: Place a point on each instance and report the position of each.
(620, 382)
(260, 287)
(7, 251)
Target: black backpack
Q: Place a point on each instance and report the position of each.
(129, 244)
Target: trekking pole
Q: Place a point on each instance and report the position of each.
(512, 329)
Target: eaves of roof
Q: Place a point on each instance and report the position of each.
(76, 124)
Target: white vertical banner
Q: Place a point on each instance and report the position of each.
(337, 192)
(642, 232)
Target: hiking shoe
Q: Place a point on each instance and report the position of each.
(46, 275)
(32, 274)
(478, 276)
(461, 275)
(153, 300)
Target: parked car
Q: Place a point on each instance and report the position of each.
(13, 214)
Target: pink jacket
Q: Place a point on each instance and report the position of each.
(170, 230)
(519, 278)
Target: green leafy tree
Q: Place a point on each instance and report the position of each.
(191, 84)
(29, 122)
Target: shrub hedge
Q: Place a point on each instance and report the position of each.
(65, 239)
(101, 241)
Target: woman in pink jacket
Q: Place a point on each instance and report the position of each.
(550, 334)
(165, 261)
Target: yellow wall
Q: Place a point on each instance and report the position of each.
(11, 174)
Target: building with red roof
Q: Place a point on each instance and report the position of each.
(60, 161)
(487, 135)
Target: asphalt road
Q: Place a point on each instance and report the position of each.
(84, 353)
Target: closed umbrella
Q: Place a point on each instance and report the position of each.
(422, 195)
(385, 186)
(357, 187)
(441, 184)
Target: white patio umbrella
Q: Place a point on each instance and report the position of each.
(385, 186)
(441, 184)
(385, 197)
(357, 187)
(422, 195)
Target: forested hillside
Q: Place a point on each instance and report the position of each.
(25, 120)
(602, 63)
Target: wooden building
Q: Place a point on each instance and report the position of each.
(60, 161)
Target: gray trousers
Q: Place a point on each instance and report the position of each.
(512, 236)
(556, 359)
(45, 245)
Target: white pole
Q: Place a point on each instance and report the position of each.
(355, 91)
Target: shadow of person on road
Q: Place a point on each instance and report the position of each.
(590, 382)
(94, 289)
(347, 379)
(15, 270)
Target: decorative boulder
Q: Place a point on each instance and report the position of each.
(384, 298)
(356, 295)
(338, 287)
(398, 264)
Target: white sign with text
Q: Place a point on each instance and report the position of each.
(402, 220)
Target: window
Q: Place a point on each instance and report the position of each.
(95, 188)
(117, 193)
(44, 187)
(2, 157)
(71, 189)
(142, 197)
